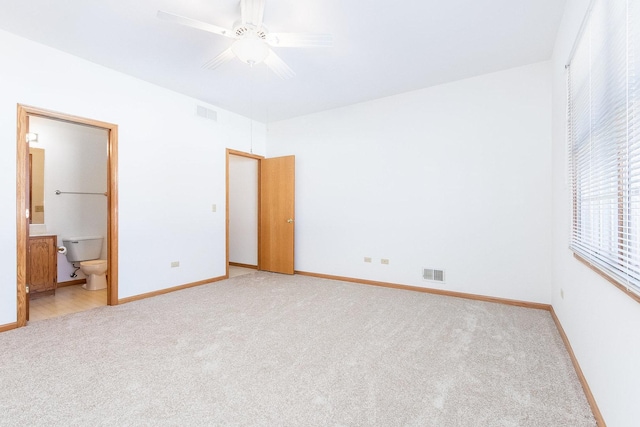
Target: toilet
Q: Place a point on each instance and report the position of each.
(86, 251)
(96, 272)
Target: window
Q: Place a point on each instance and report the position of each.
(604, 141)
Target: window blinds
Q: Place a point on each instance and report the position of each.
(604, 141)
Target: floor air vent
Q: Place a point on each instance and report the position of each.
(433, 275)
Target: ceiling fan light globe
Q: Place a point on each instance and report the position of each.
(250, 49)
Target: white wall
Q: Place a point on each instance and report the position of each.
(455, 176)
(76, 161)
(171, 166)
(243, 210)
(600, 321)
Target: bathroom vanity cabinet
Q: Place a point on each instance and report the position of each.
(42, 265)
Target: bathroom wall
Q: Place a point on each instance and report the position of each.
(75, 161)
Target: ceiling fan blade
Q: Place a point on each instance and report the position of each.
(225, 56)
(278, 66)
(195, 24)
(299, 40)
(252, 12)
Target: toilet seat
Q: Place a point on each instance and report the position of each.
(93, 262)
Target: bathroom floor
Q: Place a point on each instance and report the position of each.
(72, 299)
(68, 299)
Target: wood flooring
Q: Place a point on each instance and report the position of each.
(68, 299)
(73, 299)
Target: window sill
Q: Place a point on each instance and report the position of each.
(604, 275)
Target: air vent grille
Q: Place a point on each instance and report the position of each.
(207, 113)
(433, 275)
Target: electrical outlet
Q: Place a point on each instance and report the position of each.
(367, 259)
(175, 264)
(562, 293)
(214, 208)
(384, 261)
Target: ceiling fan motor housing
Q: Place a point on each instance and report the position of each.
(250, 46)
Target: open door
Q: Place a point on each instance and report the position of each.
(277, 201)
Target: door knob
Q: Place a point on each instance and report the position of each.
(290, 220)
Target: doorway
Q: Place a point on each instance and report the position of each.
(25, 206)
(243, 183)
(270, 244)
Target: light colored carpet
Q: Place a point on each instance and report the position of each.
(267, 349)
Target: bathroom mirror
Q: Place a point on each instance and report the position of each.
(36, 185)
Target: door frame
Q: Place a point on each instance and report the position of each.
(231, 152)
(22, 180)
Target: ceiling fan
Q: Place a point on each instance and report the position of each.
(253, 41)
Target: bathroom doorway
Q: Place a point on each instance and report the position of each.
(80, 155)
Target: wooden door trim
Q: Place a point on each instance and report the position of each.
(231, 152)
(243, 154)
(23, 113)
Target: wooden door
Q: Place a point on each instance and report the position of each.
(277, 202)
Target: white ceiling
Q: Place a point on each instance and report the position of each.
(381, 47)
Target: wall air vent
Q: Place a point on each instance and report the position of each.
(433, 275)
(207, 113)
